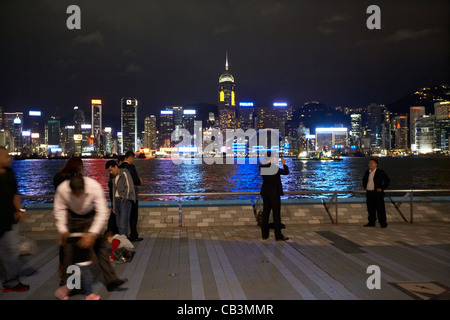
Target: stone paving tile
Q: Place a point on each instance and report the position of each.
(318, 262)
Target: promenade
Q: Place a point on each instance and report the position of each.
(318, 262)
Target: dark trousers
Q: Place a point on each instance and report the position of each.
(134, 219)
(271, 204)
(102, 254)
(375, 207)
(81, 223)
(112, 225)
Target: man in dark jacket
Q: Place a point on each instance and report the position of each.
(271, 192)
(375, 181)
(10, 214)
(128, 163)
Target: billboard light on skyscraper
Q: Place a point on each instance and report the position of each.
(188, 111)
(280, 104)
(35, 113)
(96, 102)
(331, 129)
(246, 104)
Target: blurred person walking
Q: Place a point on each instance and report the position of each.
(10, 215)
(84, 210)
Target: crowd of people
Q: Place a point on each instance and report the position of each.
(81, 215)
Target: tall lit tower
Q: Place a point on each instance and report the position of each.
(414, 113)
(227, 100)
(128, 124)
(96, 124)
(150, 132)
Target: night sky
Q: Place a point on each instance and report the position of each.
(172, 52)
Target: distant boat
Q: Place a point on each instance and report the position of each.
(318, 157)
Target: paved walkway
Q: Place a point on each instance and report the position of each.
(319, 262)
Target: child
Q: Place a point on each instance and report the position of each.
(122, 249)
(83, 259)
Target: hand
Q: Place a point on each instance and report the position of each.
(86, 241)
(283, 161)
(379, 190)
(20, 215)
(63, 238)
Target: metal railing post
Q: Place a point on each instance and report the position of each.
(336, 196)
(411, 206)
(180, 212)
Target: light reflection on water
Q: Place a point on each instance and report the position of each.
(35, 177)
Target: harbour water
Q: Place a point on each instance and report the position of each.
(35, 177)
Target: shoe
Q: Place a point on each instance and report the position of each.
(265, 238)
(93, 296)
(283, 238)
(135, 239)
(120, 260)
(384, 225)
(115, 284)
(369, 225)
(20, 287)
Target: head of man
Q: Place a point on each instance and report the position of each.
(129, 156)
(373, 164)
(5, 159)
(112, 167)
(120, 159)
(77, 185)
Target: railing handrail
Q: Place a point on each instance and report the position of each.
(227, 193)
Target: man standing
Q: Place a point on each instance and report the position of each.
(123, 193)
(80, 206)
(271, 192)
(10, 214)
(375, 181)
(128, 163)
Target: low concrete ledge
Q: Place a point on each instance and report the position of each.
(210, 213)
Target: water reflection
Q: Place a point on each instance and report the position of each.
(35, 177)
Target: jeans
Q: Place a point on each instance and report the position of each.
(9, 256)
(123, 211)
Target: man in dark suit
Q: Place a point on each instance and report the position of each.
(375, 181)
(271, 192)
(128, 163)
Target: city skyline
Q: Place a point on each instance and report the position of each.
(294, 52)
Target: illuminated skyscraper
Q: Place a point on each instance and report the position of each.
(13, 122)
(78, 119)
(401, 132)
(442, 113)
(227, 100)
(53, 135)
(128, 124)
(150, 132)
(246, 115)
(96, 122)
(414, 114)
(166, 127)
(426, 134)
